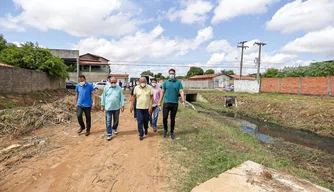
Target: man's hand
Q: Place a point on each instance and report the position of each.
(122, 109)
(102, 108)
(131, 108)
(184, 104)
(93, 106)
(159, 104)
(150, 110)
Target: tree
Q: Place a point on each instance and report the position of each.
(148, 72)
(159, 76)
(271, 73)
(227, 72)
(31, 56)
(195, 71)
(209, 71)
(3, 43)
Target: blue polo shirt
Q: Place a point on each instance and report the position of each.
(84, 95)
(172, 89)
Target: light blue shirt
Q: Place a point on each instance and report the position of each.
(112, 98)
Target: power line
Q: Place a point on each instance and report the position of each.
(206, 66)
(242, 54)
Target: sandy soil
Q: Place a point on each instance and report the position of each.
(68, 162)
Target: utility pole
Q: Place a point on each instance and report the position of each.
(242, 54)
(260, 44)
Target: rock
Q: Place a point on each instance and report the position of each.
(42, 142)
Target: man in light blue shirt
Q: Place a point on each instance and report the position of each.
(112, 102)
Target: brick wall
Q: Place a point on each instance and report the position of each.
(17, 80)
(289, 85)
(296, 85)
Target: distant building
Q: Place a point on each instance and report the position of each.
(71, 59)
(124, 78)
(218, 80)
(94, 67)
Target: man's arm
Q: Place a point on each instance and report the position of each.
(150, 109)
(122, 101)
(182, 95)
(132, 102)
(93, 98)
(76, 98)
(161, 97)
(103, 100)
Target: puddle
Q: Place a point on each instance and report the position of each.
(269, 132)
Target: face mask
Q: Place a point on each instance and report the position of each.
(143, 84)
(154, 84)
(137, 83)
(172, 76)
(82, 83)
(113, 84)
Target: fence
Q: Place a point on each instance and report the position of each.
(249, 86)
(205, 84)
(299, 85)
(18, 80)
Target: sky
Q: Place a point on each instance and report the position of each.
(156, 35)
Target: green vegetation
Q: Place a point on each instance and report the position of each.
(205, 146)
(195, 71)
(227, 72)
(209, 71)
(31, 56)
(318, 69)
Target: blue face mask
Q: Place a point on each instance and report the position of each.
(172, 76)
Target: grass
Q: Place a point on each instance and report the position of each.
(205, 147)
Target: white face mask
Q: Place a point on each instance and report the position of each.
(154, 84)
(82, 83)
(143, 84)
(137, 83)
(113, 84)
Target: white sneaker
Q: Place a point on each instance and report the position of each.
(115, 132)
(109, 137)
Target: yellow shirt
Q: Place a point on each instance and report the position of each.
(143, 96)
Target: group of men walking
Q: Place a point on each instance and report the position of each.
(145, 103)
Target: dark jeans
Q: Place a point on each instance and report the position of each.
(172, 108)
(142, 120)
(87, 110)
(134, 109)
(113, 114)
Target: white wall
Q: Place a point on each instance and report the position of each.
(248, 86)
(223, 80)
(205, 84)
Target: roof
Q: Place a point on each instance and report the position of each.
(242, 77)
(209, 76)
(5, 65)
(94, 56)
(119, 75)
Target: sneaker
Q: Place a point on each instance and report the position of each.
(87, 133)
(155, 129)
(141, 138)
(165, 134)
(115, 132)
(109, 137)
(80, 130)
(172, 135)
(146, 131)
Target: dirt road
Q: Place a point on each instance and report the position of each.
(68, 162)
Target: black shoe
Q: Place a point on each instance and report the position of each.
(87, 133)
(141, 138)
(146, 131)
(172, 135)
(80, 130)
(155, 129)
(165, 134)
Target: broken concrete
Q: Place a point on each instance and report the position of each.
(253, 177)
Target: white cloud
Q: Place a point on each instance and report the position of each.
(76, 17)
(317, 42)
(303, 16)
(228, 9)
(140, 45)
(216, 58)
(221, 45)
(192, 11)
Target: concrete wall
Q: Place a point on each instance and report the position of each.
(94, 76)
(17, 80)
(64, 53)
(204, 84)
(299, 85)
(223, 80)
(249, 86)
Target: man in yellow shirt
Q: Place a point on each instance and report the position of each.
(143, 94)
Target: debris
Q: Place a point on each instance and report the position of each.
(13, 146)
(42, 142)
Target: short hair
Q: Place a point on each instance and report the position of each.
(82, 76)
(109, 76)
(171, 70)
(153, 79)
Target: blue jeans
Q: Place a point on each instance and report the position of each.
(153, 118)
(142, 119)
(109, 116)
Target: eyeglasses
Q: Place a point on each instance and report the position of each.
(113, 83)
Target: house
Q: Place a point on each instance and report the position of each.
(94, 67)
(218, 80)
(71, 60)
(237, 77)
(124, 78)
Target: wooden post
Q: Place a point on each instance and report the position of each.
(329, 88)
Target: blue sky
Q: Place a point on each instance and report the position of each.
(177, 33)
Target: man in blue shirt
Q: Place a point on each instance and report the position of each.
(85, 100)
(170, 94)
(113, 102)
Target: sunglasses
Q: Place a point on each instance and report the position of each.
(113, 82)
